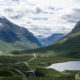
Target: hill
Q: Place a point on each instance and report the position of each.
(13, 37)
(69, 46)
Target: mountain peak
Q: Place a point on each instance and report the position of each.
(77, 27)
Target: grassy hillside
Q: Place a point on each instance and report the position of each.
(69, 46)
(17, 46)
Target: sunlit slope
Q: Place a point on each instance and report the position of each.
(69, 46)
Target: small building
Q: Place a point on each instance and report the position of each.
(77, 76)
(31, 73)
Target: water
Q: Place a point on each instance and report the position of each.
(71, 65)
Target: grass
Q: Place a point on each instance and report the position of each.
(8, 72)
(77, 79)
(17, 45)
(69, 47)
(36, 78)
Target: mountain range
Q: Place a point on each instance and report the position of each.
(14, 37)
(51, 39)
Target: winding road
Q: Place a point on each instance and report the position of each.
(25, 62)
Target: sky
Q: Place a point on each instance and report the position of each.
(42, 17)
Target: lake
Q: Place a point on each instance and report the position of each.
(71, 65)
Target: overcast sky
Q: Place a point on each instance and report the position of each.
(42, 17)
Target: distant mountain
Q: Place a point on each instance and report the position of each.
(51, 39)
(14, 37)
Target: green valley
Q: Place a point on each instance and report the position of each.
(19, 60)
(13, 67)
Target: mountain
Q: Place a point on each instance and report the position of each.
(51, 39)
(14, 37)
(68, 46)
(76, 28)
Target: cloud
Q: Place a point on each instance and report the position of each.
(51, 8)
(74, 17)
(8, 9)
(42, 17)
(38, 10)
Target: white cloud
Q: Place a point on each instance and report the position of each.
(42, 17)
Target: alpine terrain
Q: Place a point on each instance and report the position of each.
(14, 37)
(51, 39)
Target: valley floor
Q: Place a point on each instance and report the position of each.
(23, 67)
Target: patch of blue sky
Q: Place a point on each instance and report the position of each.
(40, 18)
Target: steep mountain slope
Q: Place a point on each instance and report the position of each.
(76, 28)
(51, 39)
(15, 37)
(69, 46)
